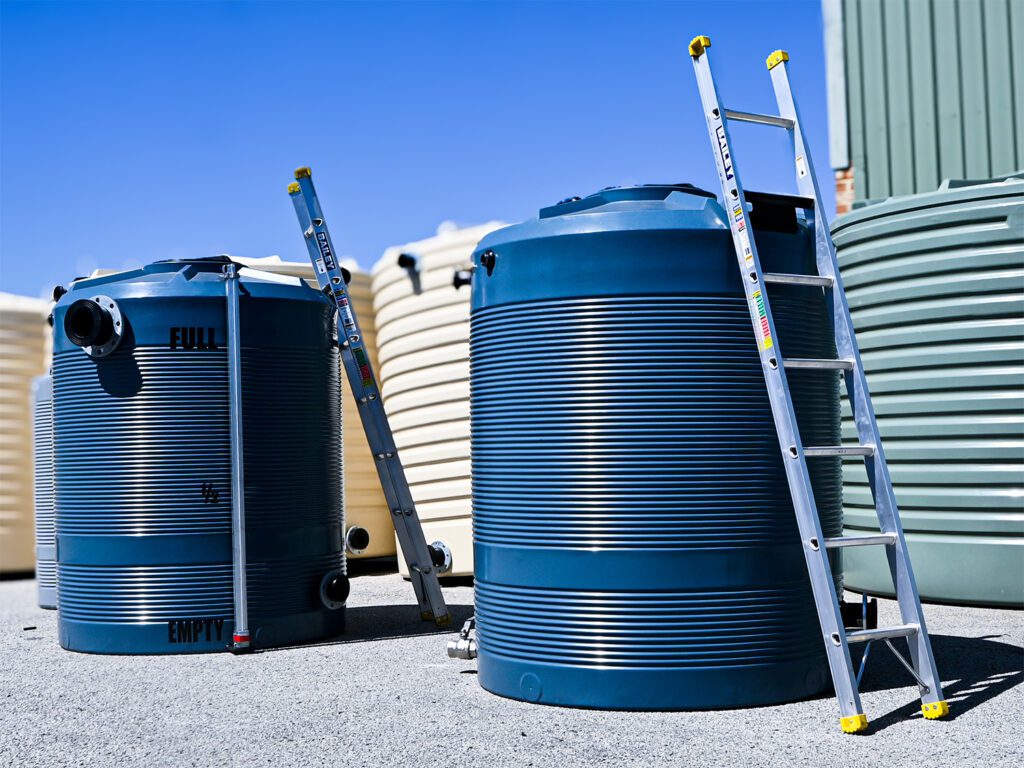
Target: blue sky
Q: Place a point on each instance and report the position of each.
(133, 132)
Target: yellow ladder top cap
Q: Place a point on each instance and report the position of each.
(776, 58)
(698, 44)
(303, 173)
(293, 188)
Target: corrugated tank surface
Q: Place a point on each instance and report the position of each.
(423, 344)
(636, 545)
(24, 350)
(42, 451)
(367, 517)
(936, 290)
(143, 467)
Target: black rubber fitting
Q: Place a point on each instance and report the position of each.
(88, 324)
(337, 588)
(406, 261)
(462, 277)
(437, 556)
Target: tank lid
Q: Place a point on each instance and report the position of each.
(211, 262)
(625, 194)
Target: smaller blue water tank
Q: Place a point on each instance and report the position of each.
(143, 462)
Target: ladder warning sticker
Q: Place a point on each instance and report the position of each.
(737, 213)
(364, 367)
(744, 238)
(764, 332)
(723, 149)
(347, 318)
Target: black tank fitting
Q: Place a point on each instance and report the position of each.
(88, 324)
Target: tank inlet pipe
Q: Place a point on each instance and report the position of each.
(464, 647)
(240, 639)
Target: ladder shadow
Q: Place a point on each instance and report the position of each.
(978, 669)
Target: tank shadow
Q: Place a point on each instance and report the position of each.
(974, 669)
(369, 623)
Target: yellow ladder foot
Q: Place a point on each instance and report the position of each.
(854, 723)
(935, 710)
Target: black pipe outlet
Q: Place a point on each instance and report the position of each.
(337, 587)
(88, 324)
(462, 277)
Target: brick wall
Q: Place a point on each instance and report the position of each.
(844, 190)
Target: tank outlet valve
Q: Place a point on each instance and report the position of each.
(94, 324)
(463, 647)
(441, 556)
(462, 277)
(409, 261)
(357, 540)
(334, 589)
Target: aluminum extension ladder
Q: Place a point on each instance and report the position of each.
(423, 560)
(815, 545)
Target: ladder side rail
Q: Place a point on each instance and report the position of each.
(363, 383)
(808, 522)
(879, 478)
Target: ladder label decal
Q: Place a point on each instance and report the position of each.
(744, 239)
(347, 318)
(325, 250)
(723, 149)
(364, 369)
(762, 316)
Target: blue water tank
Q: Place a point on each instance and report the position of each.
(635, 541)
(143, 462)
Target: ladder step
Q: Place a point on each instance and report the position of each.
(818, 364)
(781, 278)
(882, 633)
(755, 117)
(860, 541)
(840, 450)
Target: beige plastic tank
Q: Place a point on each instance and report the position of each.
(368, 529)
(24, 354)
(423, 346)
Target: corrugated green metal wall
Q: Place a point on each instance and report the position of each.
(934, 90)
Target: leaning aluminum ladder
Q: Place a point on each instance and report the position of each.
(421, 559)
(815, 545)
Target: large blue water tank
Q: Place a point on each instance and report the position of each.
(143, 464)
(635, 541)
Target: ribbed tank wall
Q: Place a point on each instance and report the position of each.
(42, 452)
(23, 356)
(423, 340)
(143, 474)
(936, 290)
(365, 505)
(636, 543)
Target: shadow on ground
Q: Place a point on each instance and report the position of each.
(976, 669)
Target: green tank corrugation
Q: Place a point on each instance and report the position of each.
(936, 290)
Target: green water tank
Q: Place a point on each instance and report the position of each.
(936, 289)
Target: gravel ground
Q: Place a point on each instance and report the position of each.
(385, 694)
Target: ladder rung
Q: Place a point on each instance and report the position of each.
(840, 450)
(754, 117)
(816, 364)
(860, 541)
(882, 633)
(814, 280)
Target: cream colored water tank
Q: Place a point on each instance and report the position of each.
(368, 529)
(24, 353)
(423, 346)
